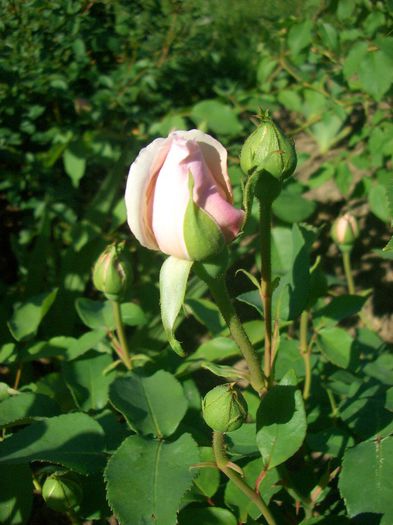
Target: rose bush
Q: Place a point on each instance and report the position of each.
(179, 196)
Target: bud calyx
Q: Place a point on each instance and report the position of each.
(62, 492)
(224, 408)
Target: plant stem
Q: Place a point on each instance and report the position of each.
(306, 353)
(333, 404)
(125, 353)
(222, 463)
(223, 300)
(348, 271)
(266, 283)
(18, 376)
(74, 518)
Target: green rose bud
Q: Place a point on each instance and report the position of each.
(61, 492)
(268, 149)
(270, 156)
(112, 273)
(345, 231)
(224, 408)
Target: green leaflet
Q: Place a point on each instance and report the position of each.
(151, 405)
(74, 440)
(140, 474)
(366, 479)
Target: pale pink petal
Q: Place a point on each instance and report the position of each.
(143, 169)
(170, 199)
(229, 218)
(215, 156)
(206, 194)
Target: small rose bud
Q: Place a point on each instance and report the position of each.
(224, 408)
(179, 197)
(269, 149)
(345, 231)
(61, 492)
(269, 155)
(112, 273)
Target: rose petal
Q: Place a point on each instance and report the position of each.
(171, 196)
(215, 156)
(229, 218)
(206, 193)
(143, 169)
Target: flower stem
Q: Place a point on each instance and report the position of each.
(223, 300)
(74, 518)
(266, 282)
(123, 352)
(222, 463)
(18, 376)
(348, 271)
(306, 353)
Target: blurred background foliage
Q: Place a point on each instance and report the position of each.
(84, 85)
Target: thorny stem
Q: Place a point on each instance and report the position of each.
(305, 350)
(123, 351)
(222, 463)
(222, 298)
(266, 284)
(348, 272)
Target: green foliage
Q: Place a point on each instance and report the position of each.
(16, 494)
(26, 407)
(281, 423)
(145, 469)
(366, 481)
(73, 440)
(152, 405)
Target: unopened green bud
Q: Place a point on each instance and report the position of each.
(61, 492)
(268, 149)
(112, 273)
(224, 408)
(269, 153)
(345, 231)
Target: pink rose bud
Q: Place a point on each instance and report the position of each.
(345, 231)
(179, 196)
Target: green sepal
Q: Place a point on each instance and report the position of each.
(202, 235)
(250, 277)
(248, 196)
(225, 371)
(263, 186)
(213, 268)
(389, 246)
(173, 282)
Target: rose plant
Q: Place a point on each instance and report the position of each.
(120, 415)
